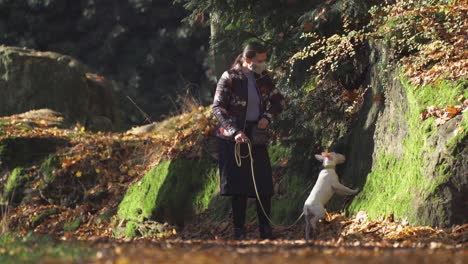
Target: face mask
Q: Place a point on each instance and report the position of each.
(257, 67)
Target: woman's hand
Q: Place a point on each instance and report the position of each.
(240, 137)
(263, 123)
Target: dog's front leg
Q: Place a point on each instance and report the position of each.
(343, 190)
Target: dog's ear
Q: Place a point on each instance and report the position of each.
(319, 157)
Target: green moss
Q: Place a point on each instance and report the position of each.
(397, 182)
(140, 199)
(37, 220)
(288, 204)
(73, 225)
(14, 187)
(445, 93)
(172, 191)
(310, 85)
(188, 189)
(47, 170)
(131, 229)
(221, 207)
(277, 152)
(2, 153)
(36, 249)
(14, 182)
(390, 187)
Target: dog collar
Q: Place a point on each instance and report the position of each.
(329, 167)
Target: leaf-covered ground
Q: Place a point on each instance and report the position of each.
(101, 166)
(76, 191)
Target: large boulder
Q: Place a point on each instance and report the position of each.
(34, 80)
(141, 44)
(406, 166)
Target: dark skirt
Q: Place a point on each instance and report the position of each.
(236, 180)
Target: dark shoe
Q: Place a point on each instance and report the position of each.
(239, 233)
(266, 232)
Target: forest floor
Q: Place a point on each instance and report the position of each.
(51, 229)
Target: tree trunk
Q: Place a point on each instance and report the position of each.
(218, 56)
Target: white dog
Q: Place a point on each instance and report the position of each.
(327, 184)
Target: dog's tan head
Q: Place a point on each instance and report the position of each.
(330, 158)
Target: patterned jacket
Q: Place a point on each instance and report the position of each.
(230, 101)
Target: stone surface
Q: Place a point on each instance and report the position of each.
(34, 80)
(405, 165)
(141, 44)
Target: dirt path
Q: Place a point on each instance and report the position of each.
(254, 251)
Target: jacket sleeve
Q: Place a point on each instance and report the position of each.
(220, 105)
(276, 101)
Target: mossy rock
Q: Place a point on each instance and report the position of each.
(417, 168)
(34, 80)
(61, 187)
(287, 204)
(131, 229)
(24, 151)
(173, 191)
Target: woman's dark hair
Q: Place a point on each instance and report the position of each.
(250, 51)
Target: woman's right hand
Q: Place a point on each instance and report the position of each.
(240, 137)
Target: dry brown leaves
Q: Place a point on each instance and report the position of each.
(444, 114)
(446, 56)
(117, 160)
(337, 231)
(103, 165)
(431, 37)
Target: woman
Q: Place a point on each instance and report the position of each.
(246, 97)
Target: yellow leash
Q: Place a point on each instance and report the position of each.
(239, 157)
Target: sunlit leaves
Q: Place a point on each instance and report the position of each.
(329, 52)
(444, 114)
(101, 166)
(430, 36)
(336, 230)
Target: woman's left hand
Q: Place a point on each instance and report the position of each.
(263, 123)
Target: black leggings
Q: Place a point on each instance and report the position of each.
(239, 205)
